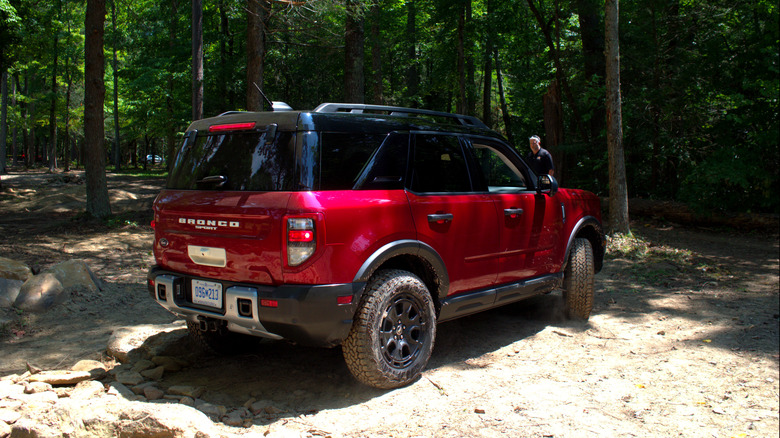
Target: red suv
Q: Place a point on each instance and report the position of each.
(361, 226)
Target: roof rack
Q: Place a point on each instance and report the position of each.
(358, 108)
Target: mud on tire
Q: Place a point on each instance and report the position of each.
(393, 333)
(578, 281)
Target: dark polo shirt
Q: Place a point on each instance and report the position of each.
(541, 162)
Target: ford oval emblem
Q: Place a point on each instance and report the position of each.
(164, 242)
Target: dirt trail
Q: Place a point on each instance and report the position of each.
(683, 339)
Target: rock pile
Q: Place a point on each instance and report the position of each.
(20, 288)
(129, 398)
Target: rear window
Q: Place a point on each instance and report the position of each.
(251, 161)
(243, 160)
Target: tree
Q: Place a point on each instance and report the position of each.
(94, 93)
(618, 193)
(197, 59)
(354, 38)
(256, 11)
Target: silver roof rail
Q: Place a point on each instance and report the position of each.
(359, 108)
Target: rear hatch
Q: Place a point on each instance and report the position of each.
(220, 215)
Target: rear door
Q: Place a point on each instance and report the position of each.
(459, 223)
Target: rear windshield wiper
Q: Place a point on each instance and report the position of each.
(217, 180)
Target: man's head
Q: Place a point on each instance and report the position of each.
(534, 143)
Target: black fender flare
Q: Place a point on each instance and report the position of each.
(599, 248)
(410, 247)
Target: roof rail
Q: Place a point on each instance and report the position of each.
(398, 111)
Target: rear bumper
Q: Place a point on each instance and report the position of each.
(306, 314)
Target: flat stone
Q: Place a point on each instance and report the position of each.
(212, 411)
(36, 387)
(9, 416)
(142, 365)
(87, 390)
(189, 391)
(139, 389)
(120, 390)
(60, 377)
(170, 363)
(153, 393)
(154, 373)
(14, 270)
(95, 368)
(130, 378)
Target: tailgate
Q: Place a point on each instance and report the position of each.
(231, 236)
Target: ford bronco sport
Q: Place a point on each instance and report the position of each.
(361, 226)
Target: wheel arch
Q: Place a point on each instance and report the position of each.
(589, 228)
(413, 256)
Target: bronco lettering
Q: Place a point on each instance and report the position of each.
(209, 224)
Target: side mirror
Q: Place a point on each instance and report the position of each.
(547, 184)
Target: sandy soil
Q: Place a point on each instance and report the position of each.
(683, 339)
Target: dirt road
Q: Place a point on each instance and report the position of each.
(683, 339)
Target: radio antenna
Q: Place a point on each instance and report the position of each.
(270, 104)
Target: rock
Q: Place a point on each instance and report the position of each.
(95, 368)
(5, 429)
(36, 387)
(189, 391)
(39, 293)
(14, 270)
(130, 378)
(8, 416)
(264, 406)
(142, 365)
(187, 401)
(120, 390)
(212, 411)
(87, 390)
(8, 388)
(139, 389)
(9, 291)
(154, 373)
(130, 344)
(153, 393)
(75, 275)
(60, 377)
(234, 419)
(170, 363)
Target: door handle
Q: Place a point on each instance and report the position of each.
(440, 217)
(513, 212)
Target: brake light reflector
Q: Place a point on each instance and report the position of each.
(232, 127)
(301, 241)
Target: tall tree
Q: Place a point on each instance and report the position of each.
(117, 143)
(94, 93)
(412, 73)
(197, 59)
(618, 191)
(256, 12)
(377, 96)
(53, 108)
(354, 39)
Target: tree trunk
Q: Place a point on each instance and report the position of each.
(224, 34)
(354, 38)
(556, 58)
(553, 127)
(197, 59)
(53, 108)
(15, 131)
(460, 105)
(487, 90)
(376, 55)
(589, 12)
(170, 130)
(412, 76)
(502, 97)
(618, 192)
(94, 93)
(117, 143)
(255, 53)
(3, 117)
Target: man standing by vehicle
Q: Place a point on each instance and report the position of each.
(539, 159)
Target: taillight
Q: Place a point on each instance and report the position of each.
(232, 127)
(301, 240)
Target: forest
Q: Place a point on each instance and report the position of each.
(700, 80)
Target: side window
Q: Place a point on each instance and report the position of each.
(386, 168)
(501, 175)
(343, 156)
(439, 165)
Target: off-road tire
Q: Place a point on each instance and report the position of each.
(220, 342)
(578, 281)
(393, 332)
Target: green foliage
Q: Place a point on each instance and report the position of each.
(700, 80)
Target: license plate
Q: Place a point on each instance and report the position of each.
(207, 293)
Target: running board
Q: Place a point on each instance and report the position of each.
(473, 302)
